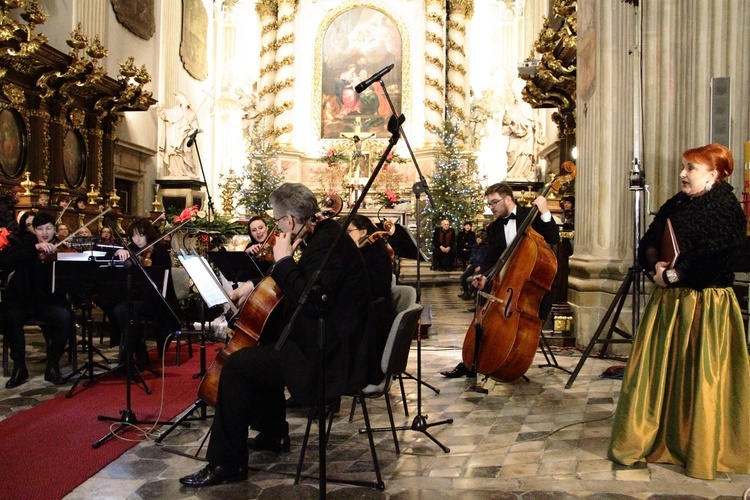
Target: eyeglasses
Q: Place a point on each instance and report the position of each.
(352, 230)
(492, 203)
(277, 220)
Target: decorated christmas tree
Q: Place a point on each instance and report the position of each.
(455, 185)
(250, 189)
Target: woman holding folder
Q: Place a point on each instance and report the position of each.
(685, 395)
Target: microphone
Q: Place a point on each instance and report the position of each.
(361, 86)
(191, 138)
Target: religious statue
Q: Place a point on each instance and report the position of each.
(358, 166)
(180, 126)
(526, 137)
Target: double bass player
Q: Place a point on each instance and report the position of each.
(500, 233)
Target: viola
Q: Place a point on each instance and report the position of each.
(503, 337)
(255, 312)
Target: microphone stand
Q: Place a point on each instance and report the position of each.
(315, 292)
(419, 423)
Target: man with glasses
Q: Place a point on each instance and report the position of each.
(29, 296)
(500, 233)
(251, 386)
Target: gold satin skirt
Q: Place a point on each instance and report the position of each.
(685, 395)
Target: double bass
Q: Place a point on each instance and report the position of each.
(503, 337)
(251, 319)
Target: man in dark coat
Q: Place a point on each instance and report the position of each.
(251, 387)
(500, 233)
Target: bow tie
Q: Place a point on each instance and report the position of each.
(506, 219)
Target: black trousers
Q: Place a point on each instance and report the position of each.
(59, 324)
(250, 394)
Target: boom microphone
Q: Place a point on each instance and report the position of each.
(191, 138)
(361, 86)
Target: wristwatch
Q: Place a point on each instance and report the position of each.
(671, 276)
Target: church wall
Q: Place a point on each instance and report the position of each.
(685, 45)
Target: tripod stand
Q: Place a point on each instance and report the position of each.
(419, 423)
(127, 416)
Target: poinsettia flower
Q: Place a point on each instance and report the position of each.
(186, 214)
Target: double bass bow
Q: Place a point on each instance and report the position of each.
(252, 317)
(504, 335)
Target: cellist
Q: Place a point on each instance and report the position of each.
(251, 386)
(500, 233)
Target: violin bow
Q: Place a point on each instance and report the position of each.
(72, 235)
(62, 212)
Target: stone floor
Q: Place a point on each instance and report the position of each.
(527, 439)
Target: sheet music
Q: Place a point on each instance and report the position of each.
(205, 281)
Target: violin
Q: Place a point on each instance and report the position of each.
(145, 257)
(51, 256)
(388, 229)
(266, 250)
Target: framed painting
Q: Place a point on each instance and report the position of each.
(74, 158)
(13, 143)
(359, 42)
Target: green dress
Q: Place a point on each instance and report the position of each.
(685, 395)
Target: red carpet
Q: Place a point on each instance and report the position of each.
(48, 450)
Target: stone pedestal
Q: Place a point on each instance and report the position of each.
(180, 193)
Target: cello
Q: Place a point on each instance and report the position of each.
(503, 337)
(251, 319)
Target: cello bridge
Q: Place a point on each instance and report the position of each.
(491, 297)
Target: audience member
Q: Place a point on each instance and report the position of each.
(443, 246)
(478, 253)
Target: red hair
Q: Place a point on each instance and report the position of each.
(716, 156)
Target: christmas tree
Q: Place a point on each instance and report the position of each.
(455, 185)
(259, 177)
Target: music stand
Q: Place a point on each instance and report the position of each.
(213, 294)
(234, 266)
(136, 276)
(76, 275)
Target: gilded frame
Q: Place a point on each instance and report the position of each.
(352, 18)
(74, 158)
(14, 142)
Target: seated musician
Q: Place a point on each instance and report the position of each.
(142, 234)
(257, 229)
(377, 259)
(500, 233)
(251, 386)
(29, 296)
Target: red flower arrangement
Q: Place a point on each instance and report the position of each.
(186, 215)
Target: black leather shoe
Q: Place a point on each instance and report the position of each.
(459, 371)
(52, 374)
(18, 376)
(264, 442)
(215, 474)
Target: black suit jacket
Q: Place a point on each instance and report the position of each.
(496, 235)
(348, 293)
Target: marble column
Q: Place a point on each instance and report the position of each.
(684, 47)
(457, 82)
(284, 84)
(267, 10)
(434, 69)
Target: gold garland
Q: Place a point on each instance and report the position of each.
(283, 130)
(272, 26)
(277, 110)
(276, 87)
(266, 8)
(458, 48)
(274, 66)
(458, 90)
(432, 37)
(432, 82)
(429, 103)
(456, 26)
(435, 18)
(434, 60)
(457, 67)
(276, 44)
(465, 7)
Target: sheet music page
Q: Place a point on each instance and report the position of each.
(205, 281)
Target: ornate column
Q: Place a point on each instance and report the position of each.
(284, 65)
(458, 85)
(434, 69)
(266, 10)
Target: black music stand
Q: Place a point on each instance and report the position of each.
(238, 266)
(136, 279)
(81, 277)
(211, 292)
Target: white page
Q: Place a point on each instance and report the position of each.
(205, 281)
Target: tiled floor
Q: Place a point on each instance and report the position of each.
(527, 439)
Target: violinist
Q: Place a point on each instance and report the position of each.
(29, 296)
(260, 245)
(142, 234)
(500, 233)
(251, 387)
